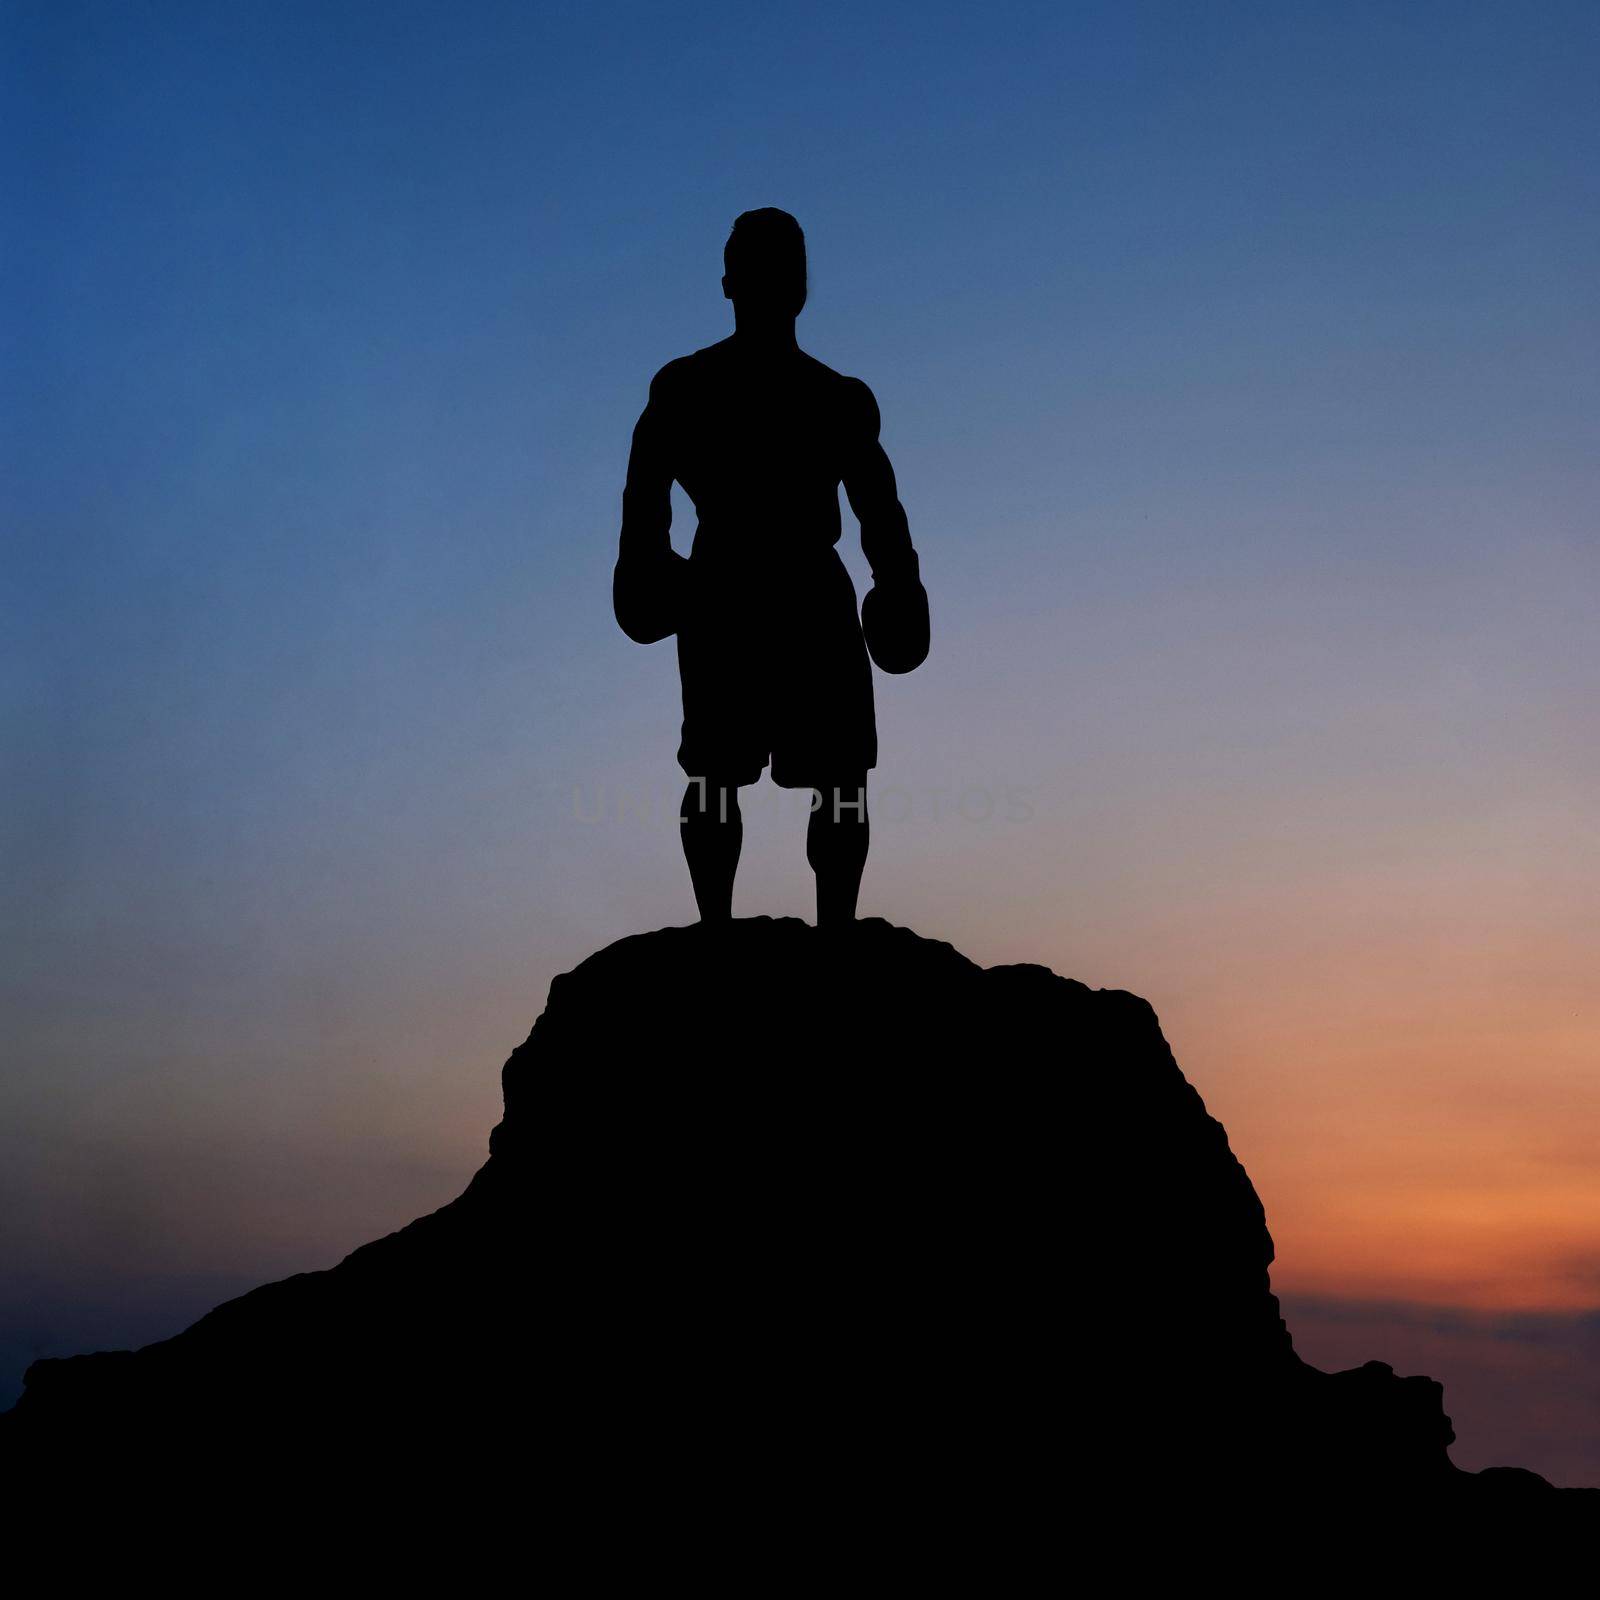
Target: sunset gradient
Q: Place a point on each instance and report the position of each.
(1239, 367)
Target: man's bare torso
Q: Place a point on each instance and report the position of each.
(760, 443)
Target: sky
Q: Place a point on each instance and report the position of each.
(1239, 367)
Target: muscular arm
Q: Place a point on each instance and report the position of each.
(644, 586)
(894, 614)
(870, 487)
(647, 494)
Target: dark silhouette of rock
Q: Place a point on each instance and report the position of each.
(792, 1240)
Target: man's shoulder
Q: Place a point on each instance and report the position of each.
(841, 381)
(850, 395)
(686, 371)
(673, 374)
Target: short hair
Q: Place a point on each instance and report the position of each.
(767, 248)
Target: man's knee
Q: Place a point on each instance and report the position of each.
(709, 800)
(842, 802)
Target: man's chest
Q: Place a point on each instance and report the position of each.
(750, 434)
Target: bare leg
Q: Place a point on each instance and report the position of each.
(836, 847)
(713, 831)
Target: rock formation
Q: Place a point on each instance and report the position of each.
(789, 1239)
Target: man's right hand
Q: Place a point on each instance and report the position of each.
(894, 618)
(649, 595)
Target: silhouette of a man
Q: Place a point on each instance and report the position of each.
(770, 645)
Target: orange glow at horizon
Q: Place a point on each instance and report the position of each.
(1410, 1083)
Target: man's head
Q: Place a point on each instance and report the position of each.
(764, 264)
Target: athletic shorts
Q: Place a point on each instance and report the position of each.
(775, 669)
